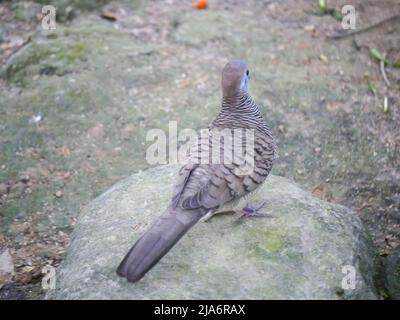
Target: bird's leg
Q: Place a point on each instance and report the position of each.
(210, 214)
(249, 211)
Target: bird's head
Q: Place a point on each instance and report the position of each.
(235, 77)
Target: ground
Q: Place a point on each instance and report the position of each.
(76, 104)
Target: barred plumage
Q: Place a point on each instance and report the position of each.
(202, 188)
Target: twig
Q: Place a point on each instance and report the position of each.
(351, 33)
(382, 65)
(23, 44)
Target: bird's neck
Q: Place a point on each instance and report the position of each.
(239, 111)
(239, 103)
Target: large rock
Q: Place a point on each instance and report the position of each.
(392, 275)
(298, 254)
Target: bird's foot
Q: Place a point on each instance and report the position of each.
(249, 211)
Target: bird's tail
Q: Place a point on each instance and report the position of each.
(156, 242)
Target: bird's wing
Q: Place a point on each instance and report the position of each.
(213, 185)
(181, 181)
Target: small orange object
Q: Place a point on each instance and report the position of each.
(201, 4)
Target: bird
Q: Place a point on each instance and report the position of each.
(204, 187)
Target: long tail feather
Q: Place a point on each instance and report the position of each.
(156, 242)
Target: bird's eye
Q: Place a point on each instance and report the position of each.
(247, 73)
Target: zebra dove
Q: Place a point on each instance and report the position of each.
(204, 188)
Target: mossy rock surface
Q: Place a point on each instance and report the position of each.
(392, 280)
(298, 254)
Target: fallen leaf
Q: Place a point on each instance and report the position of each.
(372, 88)
(66, 175)
(183, 83)
(375, 53)
(108, 15)
(385, 105)
(323, 58)
(317, 190)
(28, 268)
(65, 151)
(322, 5)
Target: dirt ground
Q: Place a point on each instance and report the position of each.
(337, 136)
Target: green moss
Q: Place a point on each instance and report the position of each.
(8, 212)
(295, 280)
(49, 58)
(265, 242)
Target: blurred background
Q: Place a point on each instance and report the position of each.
(76, 103)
